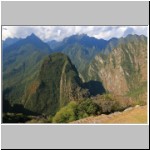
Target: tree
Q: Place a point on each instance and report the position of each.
(87, 108)
(66, 114)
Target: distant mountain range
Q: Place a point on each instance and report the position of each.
(21, 61)
(9, 41)
(45, 76)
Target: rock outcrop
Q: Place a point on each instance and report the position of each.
(124, 68)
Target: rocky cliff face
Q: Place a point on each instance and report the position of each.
(44, 84)
(124, 68)
(57, 84)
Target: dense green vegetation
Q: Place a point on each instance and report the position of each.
(87, 108)
(76, 110)
(21, 63)
(109, 103)
(72, 111)
(81, 49)
(40, 87)
(66, 114)
(54, 87)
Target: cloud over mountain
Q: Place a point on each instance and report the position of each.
(47, 33)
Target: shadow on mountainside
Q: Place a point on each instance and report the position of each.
(95, 87)
(16, 108)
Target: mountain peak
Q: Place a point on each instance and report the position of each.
(33, 36)
(10, 38)
(57, 82)
(33, 40)
(10, 41)
(82, 35)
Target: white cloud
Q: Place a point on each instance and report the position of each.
(59, 32)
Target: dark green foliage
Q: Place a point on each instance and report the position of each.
(76, 110)
(80, 56)
(81, 49)
(87, 108)
(21, 62)
(58, 83)
(15, 118)
(108, 104)
(47, 93)
(36, 83)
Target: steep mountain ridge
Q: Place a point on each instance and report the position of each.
(9, 41)
(81, 49)
(21, 62)
(124, 68)
(44, 83)
(57, 83)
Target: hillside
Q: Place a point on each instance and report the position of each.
(21, 62)
(9, 41)
(81, 76)
(57, 84)
(132, 115)
(81, 49)
(124, 68)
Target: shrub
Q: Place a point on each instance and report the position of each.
(49, 119)
(108, 103)
(66, 114)
(87, 108)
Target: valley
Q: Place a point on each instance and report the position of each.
(76, 78)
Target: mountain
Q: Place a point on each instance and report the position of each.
(56, 84)
(53, 44)
(123, 70)
(81, 49)
(112, 43)
(21, 62)
(86, 41)
(41, 80)
(9, 41)
(81, 39)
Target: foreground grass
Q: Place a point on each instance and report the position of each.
(137, 115)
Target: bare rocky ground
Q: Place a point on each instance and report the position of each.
(131, 115)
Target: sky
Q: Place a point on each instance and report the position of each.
(48, 33)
